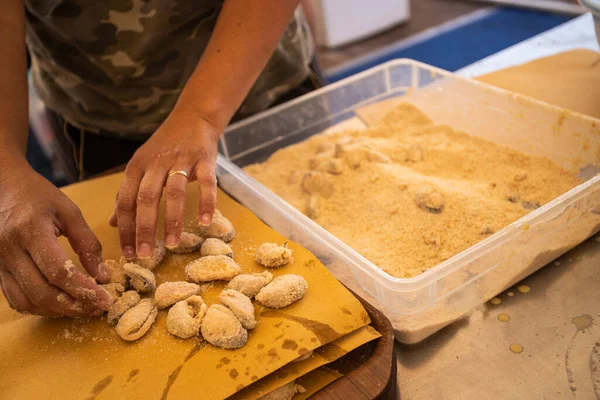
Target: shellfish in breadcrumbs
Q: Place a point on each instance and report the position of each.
(117, 273)
(212, 268)
(429, 199)
(272, 255)
(240, 305)
(128, 300)
(221, 328)
(150, 263)
(185, 317)
(188, 243)
(169, 293)
(283, 291)
(250, 284)
(114, 289)
(137, 321)
(215, 247)
(219, 228)
(141, 279)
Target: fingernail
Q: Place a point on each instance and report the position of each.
(96, 313)
(103, 273)
(171, 241)
(205, 219)
(128, 252)
(144, 251)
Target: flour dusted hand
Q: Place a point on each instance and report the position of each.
(187, 143)
(154, 260)
(36, 275)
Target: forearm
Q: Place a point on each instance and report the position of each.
(13, 82)
(244, 38)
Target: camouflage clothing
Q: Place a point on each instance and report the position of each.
(119, 65)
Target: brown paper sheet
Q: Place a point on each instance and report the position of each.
(321, 356)
(315, 381)
(78, 359)
(569, 80)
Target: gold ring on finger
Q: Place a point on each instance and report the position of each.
(178, 172)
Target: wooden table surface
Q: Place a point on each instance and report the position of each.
(472, 358)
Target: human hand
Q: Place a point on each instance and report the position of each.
(36, 275)
(184, 142)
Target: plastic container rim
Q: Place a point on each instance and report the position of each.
(384, 66)
(592, 5)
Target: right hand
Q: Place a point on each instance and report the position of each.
(36, 275)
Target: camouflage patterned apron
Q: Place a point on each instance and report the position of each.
(119, 65)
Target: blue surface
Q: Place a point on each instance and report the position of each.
(468, 43)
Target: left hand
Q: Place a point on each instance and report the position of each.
(184, 142)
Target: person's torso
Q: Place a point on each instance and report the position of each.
(119, 65)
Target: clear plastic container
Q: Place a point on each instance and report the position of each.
(594, 7)
(420, 306)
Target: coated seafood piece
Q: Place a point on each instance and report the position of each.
(215, 247)
(283, 291)
(220, 228)
(312, 207)
(141, 279)
(114, 289)
(169, 293)
(157, 257)
(212, 268)
(355, 153)
(240, 305)
(137, 321)
(117, 273)
(188, 243)
(315, 182)
(121, 305)
(250, 284)
(272, 255)
(185, 317)
(327, 164)
(414, 153)
(221, 328)
(429, 199)
(285, 392)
